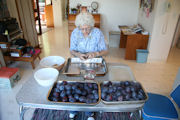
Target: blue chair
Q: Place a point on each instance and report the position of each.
(160, 107)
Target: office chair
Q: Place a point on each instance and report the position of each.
(160, 107)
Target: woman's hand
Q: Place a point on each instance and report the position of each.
(82, 56)
(91, 55)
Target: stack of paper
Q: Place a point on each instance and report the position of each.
(93, 60)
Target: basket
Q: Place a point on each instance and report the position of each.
(141, 55)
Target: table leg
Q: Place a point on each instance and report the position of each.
(22, 110)
(32, 63)
(39, 57)
(140, 114)
(100, 112)
(131, 114)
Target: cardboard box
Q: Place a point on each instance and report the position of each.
(8, 76)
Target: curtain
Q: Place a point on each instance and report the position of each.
(23, 11)
(3, 9)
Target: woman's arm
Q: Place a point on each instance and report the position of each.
(97, 54)
(79, 55)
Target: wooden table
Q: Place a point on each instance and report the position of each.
(132, 41)
(25, 59)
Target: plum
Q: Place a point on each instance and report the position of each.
(127, 97)
(128, 89)
(134, 95)
(81, 85)
(74, 87)
(63, 93)
(57, 85)
(64, 82)
(105, 89)
(76, 96)
(78, 91)
(90, 96)
(94, 91)
(54, 99)
(109, 98)
(110, 90)
(88, 101)
(132, 89)
(68, 87)
(119, 88)
(114, 88)
(68, 92)
(61, 87)
(56, 94)
(95, 86)
(103, 95)
(82, 99)
(84, 92)
(72, 100)
(118, 93)
(96, 96)
(70, 96)
(127, 83)
(120, 98)
(56, 90)
(65, 99)
(90, 85)
(94, 101)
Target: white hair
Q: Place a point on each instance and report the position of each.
(84, 18)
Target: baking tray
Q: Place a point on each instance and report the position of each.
(125, 102)
(50, 93)
(78, 69)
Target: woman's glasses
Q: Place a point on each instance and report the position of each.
(86, 29)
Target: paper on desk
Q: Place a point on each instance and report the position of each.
(93, 60)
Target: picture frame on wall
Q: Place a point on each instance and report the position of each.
(147, 4)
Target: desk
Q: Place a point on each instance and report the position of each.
(32, 95)
(132, 41)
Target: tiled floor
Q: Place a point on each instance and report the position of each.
(155, 77)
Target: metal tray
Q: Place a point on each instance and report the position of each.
(124, 102)
(78, 69)
(74, 103)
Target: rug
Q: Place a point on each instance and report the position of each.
(44, 114)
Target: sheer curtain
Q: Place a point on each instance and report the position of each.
(22, 10)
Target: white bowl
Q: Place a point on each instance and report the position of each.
(46, 76)
(53, 61)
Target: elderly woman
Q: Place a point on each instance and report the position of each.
(86, 42)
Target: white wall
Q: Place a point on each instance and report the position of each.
(57, 13)
(113, 13)
(177, 34)
(163, 30)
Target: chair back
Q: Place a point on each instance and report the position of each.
(177, 80)
(175, 94)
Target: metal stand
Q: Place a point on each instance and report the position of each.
(22, 110)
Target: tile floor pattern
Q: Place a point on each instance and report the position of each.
(157, 77)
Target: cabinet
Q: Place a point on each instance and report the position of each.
(71, 23)
(131, 42)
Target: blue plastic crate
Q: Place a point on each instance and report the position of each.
(141, 55)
